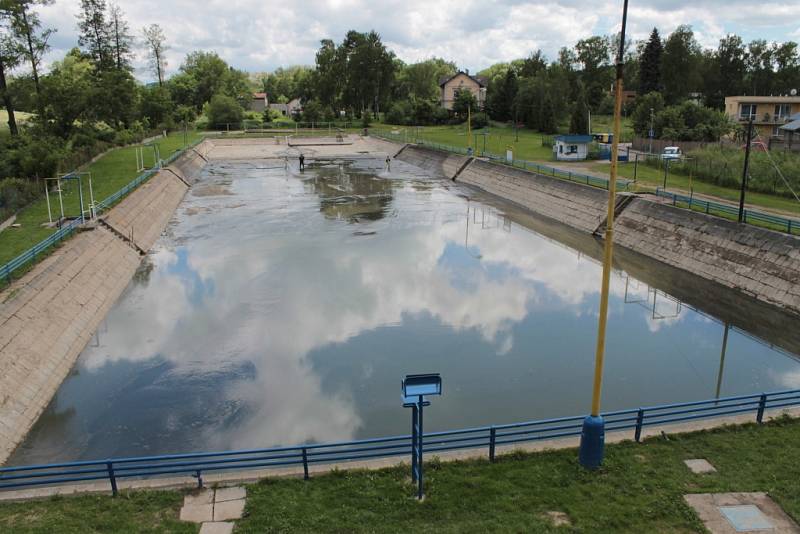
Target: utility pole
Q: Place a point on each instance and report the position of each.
(651, 133)
(593, 434)
(746, 168)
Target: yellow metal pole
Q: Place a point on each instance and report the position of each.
(609, 235)
(469, 127)
(593, 433)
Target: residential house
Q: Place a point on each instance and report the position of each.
(769, 113)
(290, 109)
(259, 102)
(451, 85)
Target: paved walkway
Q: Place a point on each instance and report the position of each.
(214, 509)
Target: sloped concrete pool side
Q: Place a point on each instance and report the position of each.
(49, 315)
(760, 263)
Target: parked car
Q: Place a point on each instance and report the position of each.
(672, 153)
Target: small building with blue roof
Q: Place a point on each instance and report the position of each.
(571, 147)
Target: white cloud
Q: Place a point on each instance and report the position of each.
(260, 35)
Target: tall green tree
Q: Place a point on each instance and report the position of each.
(680, 68)
(27, 28)
(9, 58)
(155, 42)
(501, 95)
(787, 67)
(94, 34)
(726, 71)
(67, 92)
(579, 122)
(121, 38)
(593, 54)
(650, 64)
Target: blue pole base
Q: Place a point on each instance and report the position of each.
(593, 438)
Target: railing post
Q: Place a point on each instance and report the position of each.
(639, 423)
(762, 404)
(492, 437)
(305, 464)
(112, 478)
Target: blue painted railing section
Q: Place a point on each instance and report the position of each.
(485, 437)
(785, 224)
(30, 255)
(758, 218)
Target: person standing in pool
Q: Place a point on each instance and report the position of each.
(302, 161)
(388, 163)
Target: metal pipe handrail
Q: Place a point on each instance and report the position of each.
(195, 464)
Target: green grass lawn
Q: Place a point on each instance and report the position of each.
(109, 174)
(20, 116)
(499, 138)
(652, 178)
(640, 488)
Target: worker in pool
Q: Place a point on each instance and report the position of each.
(302, 161)
(388, 163)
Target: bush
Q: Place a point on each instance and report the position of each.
(479, 120)
(399, 114)
(16, 193)
(223, 110)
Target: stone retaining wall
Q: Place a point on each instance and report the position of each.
(48, 315)
(760, 263)
(46, 319)
(144, 214)
(435, 161)
(579, 206)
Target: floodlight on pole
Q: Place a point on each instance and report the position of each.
(414, 389)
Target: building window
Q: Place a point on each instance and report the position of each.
(572, 149)
(776, 131)
(747, 111)
(782, 111)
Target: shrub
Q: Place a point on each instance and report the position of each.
(400, 113)
(16, 193)
(223, 110)
(479, 120)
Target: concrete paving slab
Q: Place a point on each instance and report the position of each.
(201, 497)
(216, 527)
(228, 510)
(715, 511)
(700, 466)
(197, 513)
(746, 518)
(230, 494)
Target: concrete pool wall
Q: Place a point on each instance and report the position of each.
(49, 315)
(760, 263)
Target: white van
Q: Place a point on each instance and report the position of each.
(671, 152)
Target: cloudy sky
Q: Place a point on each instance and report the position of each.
(258, 35)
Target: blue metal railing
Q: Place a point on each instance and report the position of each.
(489, 437)
(759, 218)
(69, 227)
(32, 253)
